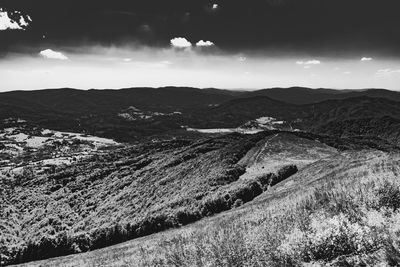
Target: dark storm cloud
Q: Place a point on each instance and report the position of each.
(308, 25)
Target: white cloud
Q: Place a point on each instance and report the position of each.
(23, 22)
(387, 72)
(180, 42)
(313, 62)
(6, 23)
(202, 43)
(347, 73)
(166, 62)
(309, 62)
(51, 54)
(366, 59)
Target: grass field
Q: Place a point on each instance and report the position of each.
(126, 194)
(339, 211)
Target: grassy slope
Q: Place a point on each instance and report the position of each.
(126, 194)
(345, 171)
(257, 230)
(334, 212)
(280, 149)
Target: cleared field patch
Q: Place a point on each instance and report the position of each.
(282, 149)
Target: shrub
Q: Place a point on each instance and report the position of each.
(184, 216)
(230, 175)
(389, 196)
(392, 250)
(329, 238)
(238, 203)
(284, 173)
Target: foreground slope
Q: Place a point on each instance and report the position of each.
(125, 194)
(140, 190)
(339, 209)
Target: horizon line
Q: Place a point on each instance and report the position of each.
(200, 88)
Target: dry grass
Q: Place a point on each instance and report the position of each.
(350, 218)
(341, 211)
(127, 194)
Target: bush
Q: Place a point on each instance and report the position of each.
(230, 175)
(392, 250)
(389, 196)
(329, 238)
(238, 203)
(284, 173)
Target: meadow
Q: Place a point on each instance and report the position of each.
(336, 218)
(125, 194)
(343, 210)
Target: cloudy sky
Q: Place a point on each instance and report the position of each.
(243, 44)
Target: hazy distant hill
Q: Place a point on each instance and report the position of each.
(131, 114)
(72, 101)
(237, 110)
(301, 95)
(97, 111)
(351, 108)
(364, 116)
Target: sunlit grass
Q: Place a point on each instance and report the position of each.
(340, 222)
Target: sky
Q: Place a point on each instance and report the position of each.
(232, 44)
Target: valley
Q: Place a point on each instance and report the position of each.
(27, 148)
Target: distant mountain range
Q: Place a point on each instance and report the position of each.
(81, 101)
(158, 111)
(302, 95)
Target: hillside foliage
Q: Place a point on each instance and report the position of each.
(128, 193)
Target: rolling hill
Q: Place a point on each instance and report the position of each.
(302, 95)
(332, 117)
(243, 109)
(336, 200)
(97, 111)
(129, 115)
(66, 101)
(139, 190)
(121, 195)
(73, 101)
